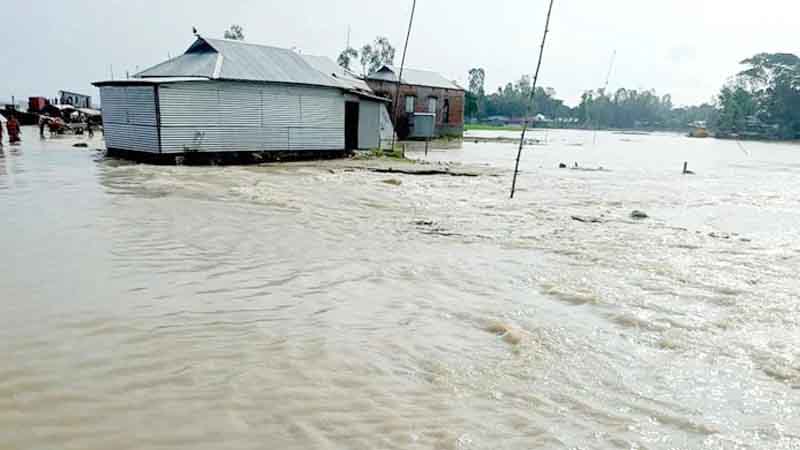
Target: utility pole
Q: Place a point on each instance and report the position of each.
(348, 38)
(400, 75)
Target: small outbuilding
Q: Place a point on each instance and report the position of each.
(232, 96)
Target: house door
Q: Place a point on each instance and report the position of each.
(351, 125)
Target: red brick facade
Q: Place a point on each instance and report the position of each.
(449, 106)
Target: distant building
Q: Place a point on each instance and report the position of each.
(74, 99)
(37, 104)
(423, 92)
(231, 96)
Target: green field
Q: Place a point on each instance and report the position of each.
(484, 127)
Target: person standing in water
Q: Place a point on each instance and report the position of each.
(13, 130)
(42, 125)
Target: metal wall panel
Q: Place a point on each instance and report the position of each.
(316, 139)
(189, 104)
(141, 102)
(129, 118)
(223, 139)
(136, 138)
(219, 116)
(369, 124)
(323, 112)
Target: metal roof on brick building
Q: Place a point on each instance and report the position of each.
(414, 77)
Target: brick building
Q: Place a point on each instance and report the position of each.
(422, 91)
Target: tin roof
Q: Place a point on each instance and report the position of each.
(222, 59)
(415, 77)
(328, 67)
(152, 80)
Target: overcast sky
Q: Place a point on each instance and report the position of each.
(684, 47)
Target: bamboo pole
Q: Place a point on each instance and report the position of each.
(530, 100)
(400, 75)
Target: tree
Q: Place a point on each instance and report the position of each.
(476, 96)
(367, 56)
(477, 79)
(736, 105)
(384, 52)
(347, 57)
(773, 80)
(235, 32)
(376, 55)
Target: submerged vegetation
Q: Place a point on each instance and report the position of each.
(378, 153)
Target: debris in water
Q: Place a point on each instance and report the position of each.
(639, 215)
(392, 181)
(509, 335)
(81, 145)
(562, 166)
(423, 223)
(425, 172)
(586, 219)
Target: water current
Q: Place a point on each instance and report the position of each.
(314, 306)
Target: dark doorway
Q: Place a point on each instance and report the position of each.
(351, 125)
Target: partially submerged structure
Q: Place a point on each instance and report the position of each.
(231, 96)
(422, 92)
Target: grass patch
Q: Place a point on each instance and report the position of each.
(379, 153)
(485, 127)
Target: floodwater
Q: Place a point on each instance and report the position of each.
(309, 306)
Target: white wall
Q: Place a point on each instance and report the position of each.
(369, 124)
(129, 118)
(223, 116)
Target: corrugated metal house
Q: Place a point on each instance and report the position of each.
(231, 96)
(422, 92)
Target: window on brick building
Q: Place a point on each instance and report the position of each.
(446, 111)
(433, 103)
(411, 103)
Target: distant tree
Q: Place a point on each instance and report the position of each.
(235, 32)
(773, 80)
(477, 80)
(367, 56)
(736, 105)
(374, 56)
(476, 95)
(347, 57)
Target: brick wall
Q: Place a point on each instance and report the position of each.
(454, 125)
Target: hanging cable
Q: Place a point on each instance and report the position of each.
(530, 100)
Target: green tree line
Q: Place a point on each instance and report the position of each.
(763, 100)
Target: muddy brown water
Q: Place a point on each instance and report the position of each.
(310, 306)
